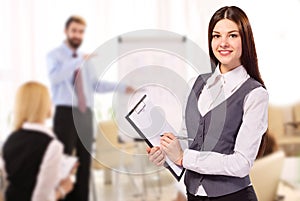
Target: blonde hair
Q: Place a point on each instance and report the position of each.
(32, 104)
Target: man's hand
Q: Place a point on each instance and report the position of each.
(156, 156)
(171, 147)
(129, 90)
(88, 56)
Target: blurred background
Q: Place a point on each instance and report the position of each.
(31, 28)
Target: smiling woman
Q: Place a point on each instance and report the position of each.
(227, 113)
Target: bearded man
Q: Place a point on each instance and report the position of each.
(73, 122)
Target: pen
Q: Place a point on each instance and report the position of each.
(182, 138)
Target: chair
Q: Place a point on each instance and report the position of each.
(110, 154)
(108, 147)
(265, 175)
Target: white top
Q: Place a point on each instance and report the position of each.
(49, 174)
(218, 88)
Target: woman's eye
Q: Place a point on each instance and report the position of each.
(233, 35)
(216, 36)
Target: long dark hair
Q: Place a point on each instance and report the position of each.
(249, 57)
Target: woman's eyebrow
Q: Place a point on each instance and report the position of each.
(227, 32)
(233, 31)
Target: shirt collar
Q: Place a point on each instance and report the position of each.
(213, 78)
(234, 77)
(67, 49)
(38, 127)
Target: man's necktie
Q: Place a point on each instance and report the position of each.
(74, 55)
(78, 85)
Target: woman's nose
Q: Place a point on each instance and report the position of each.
(224, 42)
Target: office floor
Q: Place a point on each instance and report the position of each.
(132, 188)
(125, 188)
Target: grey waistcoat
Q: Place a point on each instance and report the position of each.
(216, 131)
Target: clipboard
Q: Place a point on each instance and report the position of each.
(149, 122)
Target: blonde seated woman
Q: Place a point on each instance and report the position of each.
(32, 155)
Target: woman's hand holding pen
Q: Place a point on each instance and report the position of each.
(171, 147)
(156, 155)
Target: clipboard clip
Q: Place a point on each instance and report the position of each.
(140, 108)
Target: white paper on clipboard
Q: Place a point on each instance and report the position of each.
(150, 123)
(67, 164)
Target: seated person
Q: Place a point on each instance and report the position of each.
(32, 155)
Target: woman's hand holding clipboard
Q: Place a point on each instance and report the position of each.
(150, 124)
